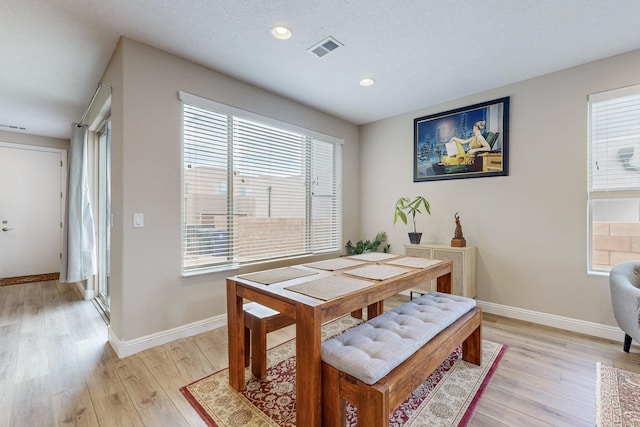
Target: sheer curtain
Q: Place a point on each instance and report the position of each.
(78, 252)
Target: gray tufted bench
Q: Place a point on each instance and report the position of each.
(379, 363)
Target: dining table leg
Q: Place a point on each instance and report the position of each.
(444, 283)
(308, 366)
(235, 326)
(375, 309)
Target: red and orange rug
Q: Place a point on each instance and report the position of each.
(447, 398)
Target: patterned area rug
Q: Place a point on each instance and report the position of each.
(447, 398)
(618, 397)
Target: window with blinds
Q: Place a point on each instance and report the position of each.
(614, 178)
(253, 190)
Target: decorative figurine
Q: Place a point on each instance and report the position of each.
(458, 240)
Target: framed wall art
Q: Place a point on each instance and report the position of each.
(468, 142)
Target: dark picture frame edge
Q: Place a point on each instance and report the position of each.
(466, 142)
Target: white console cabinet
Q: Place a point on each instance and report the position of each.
(464, 266)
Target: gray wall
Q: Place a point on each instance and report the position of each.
(530, 227)
(148, 293)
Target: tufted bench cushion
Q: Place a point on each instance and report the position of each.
(371, 350)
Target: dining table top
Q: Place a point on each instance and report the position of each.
(332, 282)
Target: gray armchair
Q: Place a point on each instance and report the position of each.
(624, 280)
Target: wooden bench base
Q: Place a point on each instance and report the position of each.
(258, 322)
(377, 401)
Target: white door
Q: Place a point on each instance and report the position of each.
(31, 206)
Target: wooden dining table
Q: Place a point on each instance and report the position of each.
(364, 282)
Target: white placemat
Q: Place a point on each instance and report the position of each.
(377, 271)
(330, 287)
(334, 264)
(374, 256)
(269, 277)
(415, 262)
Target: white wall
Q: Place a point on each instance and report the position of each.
(148, 293)
(530, 227)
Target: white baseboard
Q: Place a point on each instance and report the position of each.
(567, 323)
(127, 348)
(87, 294)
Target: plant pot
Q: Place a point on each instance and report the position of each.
(414, 238)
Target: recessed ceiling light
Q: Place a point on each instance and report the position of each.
(281, 32)
(367, 81)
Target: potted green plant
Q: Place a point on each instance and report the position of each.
(365, 246)
(406, 207)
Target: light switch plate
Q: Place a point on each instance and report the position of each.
(138, 220)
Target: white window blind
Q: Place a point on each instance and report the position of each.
(613, 177)
(615, 140)
(254, 191)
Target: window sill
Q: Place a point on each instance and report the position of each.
(260, 265)
(210, 270)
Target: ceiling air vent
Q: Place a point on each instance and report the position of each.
(325, 46)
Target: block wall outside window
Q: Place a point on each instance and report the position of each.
(614, 243)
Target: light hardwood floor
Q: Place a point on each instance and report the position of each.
(57, 369)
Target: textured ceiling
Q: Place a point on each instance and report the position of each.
(419, 52)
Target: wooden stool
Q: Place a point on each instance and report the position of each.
(258, 322)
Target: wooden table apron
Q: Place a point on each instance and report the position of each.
(310, 314)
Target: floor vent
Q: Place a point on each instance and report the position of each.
(325, 46)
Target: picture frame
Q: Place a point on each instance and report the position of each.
(468, 142)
